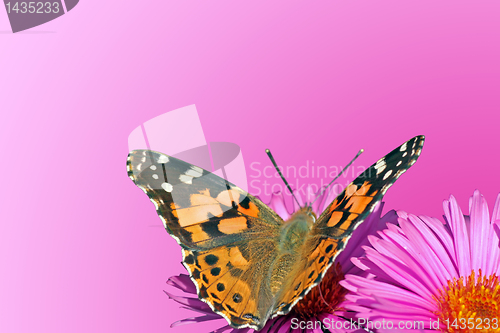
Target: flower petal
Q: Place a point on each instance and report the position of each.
(460, 235)
(354, 247)
(428, 251)
(399, 272)
(496, 210)
(194, 320)
(479, 231)
(182, 282)
(190, 302)
(327, 197)
(277, 203)
(223, 329)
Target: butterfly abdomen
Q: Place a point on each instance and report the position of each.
(291, 241)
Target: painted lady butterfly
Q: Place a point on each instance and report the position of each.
(247, 263)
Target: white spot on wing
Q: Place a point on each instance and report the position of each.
(153, 167)
(162, 159)
(399, 163)
(403, 147)
(197, 169)
(406, 153)
(186, 179)
(155, 176)
(399, 173)
(380, 166)
(167, 187)
(387, 174)
(193, 173)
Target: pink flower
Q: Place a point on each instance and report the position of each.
(424, 274)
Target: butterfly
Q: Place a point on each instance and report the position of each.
(248, 264)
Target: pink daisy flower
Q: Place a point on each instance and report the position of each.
(322, 305)
(426, 275)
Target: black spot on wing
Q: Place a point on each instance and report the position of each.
(245, 203)
(211, 259)
(212, 227)
(237, 298)
(217, 306)
(189, 259)
(203, 292)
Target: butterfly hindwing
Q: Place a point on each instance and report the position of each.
(233, 282)
(335, 225)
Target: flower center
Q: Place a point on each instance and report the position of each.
(325, 297)
(470, 305)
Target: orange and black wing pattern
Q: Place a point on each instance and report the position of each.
(198, 208)
(229, 238)
(334, 227)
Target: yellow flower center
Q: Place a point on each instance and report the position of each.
(324, 298)
(470, 305)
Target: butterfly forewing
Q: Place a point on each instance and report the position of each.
(335, 225)
(198, 208)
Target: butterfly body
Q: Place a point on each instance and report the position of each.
(295, 230)
(247, 263)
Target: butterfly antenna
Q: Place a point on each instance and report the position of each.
(268, 152)
(341, 172)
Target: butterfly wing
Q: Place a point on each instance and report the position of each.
(228, 237)
(334, 227)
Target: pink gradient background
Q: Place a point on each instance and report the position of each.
(80, 250)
